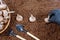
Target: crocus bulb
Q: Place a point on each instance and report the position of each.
(19, 17)
(2, 23)
(0, 12)
(46, 19)
(1, 18)
(6, 17)
(1, 26)
(5, 20)
(3, 6)
(5, 13)
(32, 18)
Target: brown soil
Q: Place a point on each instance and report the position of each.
(40, 9)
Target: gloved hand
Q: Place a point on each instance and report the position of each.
(54, 16)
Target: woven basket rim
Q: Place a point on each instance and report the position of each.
(7, 23)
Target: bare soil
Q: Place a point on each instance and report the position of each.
(40, 9)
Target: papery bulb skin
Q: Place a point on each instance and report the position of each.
(46, 20)
(1, 26)
(0, 13)
(19, 18)
(3, 6)
(1, 18)
(32, 18)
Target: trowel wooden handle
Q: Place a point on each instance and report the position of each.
(20, 37)
(33, 36)
(11, 12)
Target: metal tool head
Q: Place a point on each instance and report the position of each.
(11, 33)
(19, 27)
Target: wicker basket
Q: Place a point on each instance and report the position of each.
(7, 23)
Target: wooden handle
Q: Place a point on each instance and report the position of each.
(11, 12)
(33, 36)
(20, 37)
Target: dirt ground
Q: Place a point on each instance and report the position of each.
(40, 9)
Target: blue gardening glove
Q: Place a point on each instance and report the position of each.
(55, 16)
